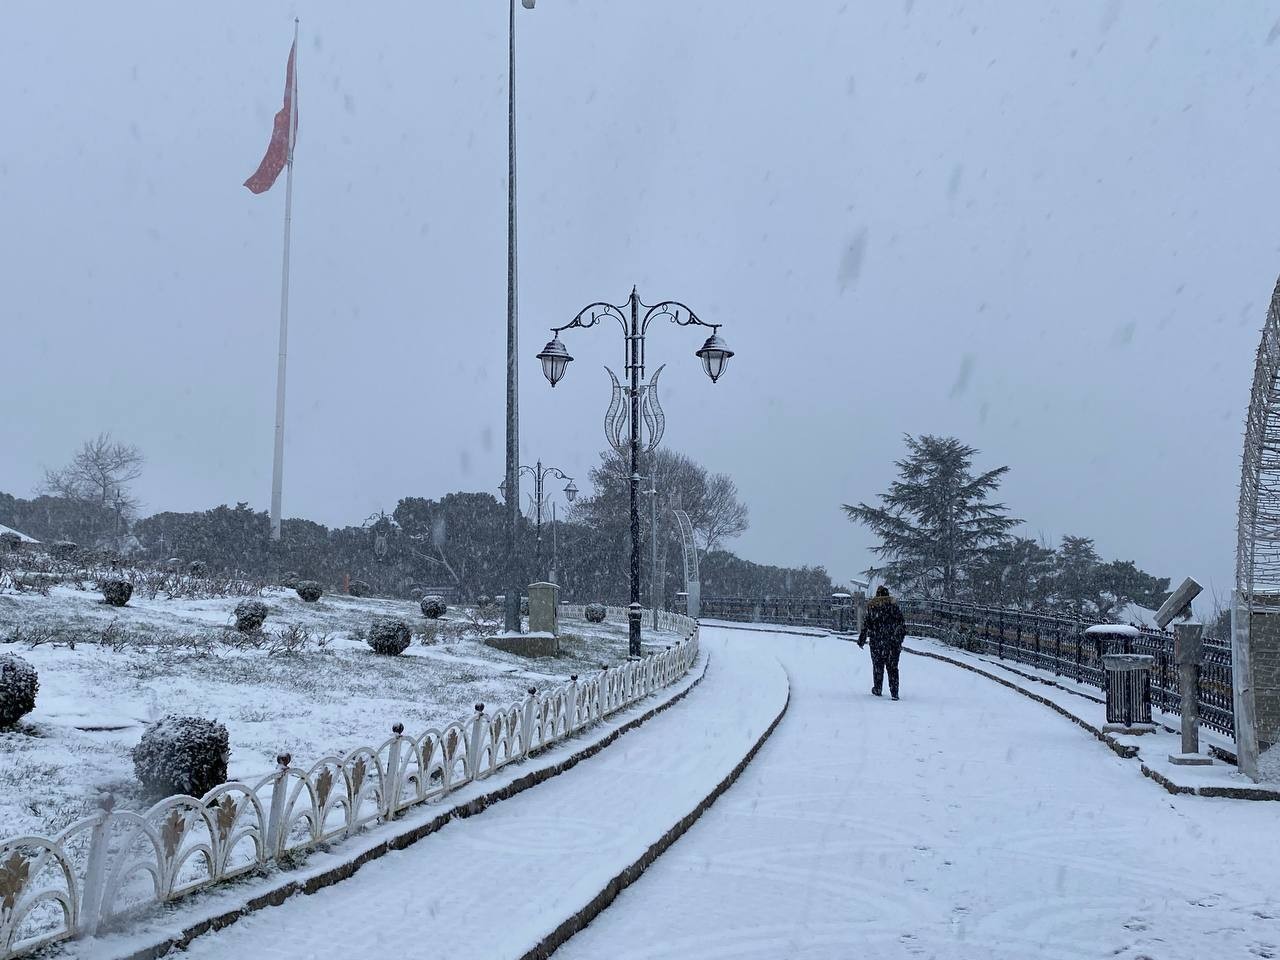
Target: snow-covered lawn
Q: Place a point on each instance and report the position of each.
(105, 672)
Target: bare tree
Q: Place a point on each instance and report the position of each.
(99, 473)
(723, 516)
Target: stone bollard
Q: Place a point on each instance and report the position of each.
(543, 607)
(1128, 693)
(1186, 654)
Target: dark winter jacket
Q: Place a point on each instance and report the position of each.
(883, 623)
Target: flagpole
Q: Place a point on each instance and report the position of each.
(277, 468)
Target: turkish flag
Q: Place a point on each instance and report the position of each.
(280, 147)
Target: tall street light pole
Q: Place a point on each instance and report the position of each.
(714, 354)
(512, 610)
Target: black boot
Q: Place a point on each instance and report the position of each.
(875, 691)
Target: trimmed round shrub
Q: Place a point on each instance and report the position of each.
(182, 755)
(594, 612)
(290, 580)
(197, 568)
(19, 683)
(388, 636)
(309, 590)
(116, 593)
(359, 588)
(250, 615)
(63, 549)
(433, 608)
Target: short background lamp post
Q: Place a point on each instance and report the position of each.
(640, 402)
(539, 474)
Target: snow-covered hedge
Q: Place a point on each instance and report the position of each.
(291, 580)
(359, 588)
(389, 636)
(63, 549)
(250, 615)
(309, 590)
(19, 683)
(594, 612)
(116, 593)
(433, 608)
(182, 755)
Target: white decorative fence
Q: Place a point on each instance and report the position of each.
(116, 863)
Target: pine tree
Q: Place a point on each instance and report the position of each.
(937, 517)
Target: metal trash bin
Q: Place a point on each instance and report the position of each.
(1128, 692)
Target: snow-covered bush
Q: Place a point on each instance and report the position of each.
(250, 615)
(182, 755)
(197, 568)
(173, 564)
(433, 608)
(594, 612)
(18, 685)
(484, 600)
(290, 580)
(116, 593)
(359, 588)
(389, 636)
(309, 590)
(10, 541)
(63, 549)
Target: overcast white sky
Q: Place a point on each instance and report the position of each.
(1048, 229)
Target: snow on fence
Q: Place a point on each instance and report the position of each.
(117, 863)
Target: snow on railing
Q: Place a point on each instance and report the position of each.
(117, 863)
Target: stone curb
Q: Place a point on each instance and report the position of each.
(601, 901)
(1128, 751)
(327, 878)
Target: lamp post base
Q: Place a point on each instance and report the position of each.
(635, 614)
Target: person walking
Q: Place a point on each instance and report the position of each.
(885, 627)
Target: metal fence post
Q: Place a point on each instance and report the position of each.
(391, 789)
(275, 823)
(475, 746)
(95, 872)
(526, 722)
(571, 701)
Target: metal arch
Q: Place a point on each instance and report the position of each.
(689, 546)
(679, 314)
(598, 311)
(1258, 516)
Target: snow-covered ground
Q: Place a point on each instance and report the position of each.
(133, 664)
(964, 822)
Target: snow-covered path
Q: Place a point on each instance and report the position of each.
(964, 822)
(493, 886)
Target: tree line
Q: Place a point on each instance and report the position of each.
(456, 541)
(942, 534)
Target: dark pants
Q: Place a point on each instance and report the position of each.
(884, 654)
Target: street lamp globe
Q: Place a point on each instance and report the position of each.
(571, 492)
(555, 360)
(715, 354)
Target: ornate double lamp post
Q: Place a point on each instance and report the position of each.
(539, 474)
(634, 318)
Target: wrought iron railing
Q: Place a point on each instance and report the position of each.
(1058, 645)
(117, 863)
(795, 611)
(1049, 642)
